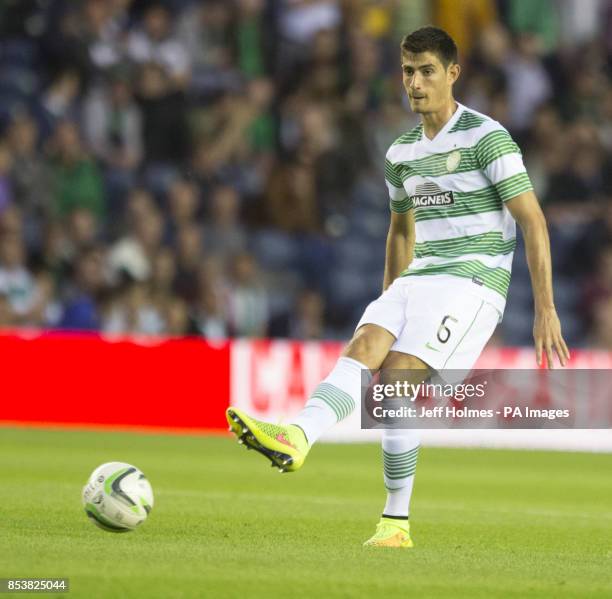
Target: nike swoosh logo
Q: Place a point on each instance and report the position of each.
(280, 437)
(428, 346)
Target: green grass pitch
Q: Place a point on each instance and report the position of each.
(486, 523)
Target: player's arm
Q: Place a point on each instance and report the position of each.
(401, 235)
(546, 329)
(400, 245)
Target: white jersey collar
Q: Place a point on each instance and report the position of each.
(447, 126)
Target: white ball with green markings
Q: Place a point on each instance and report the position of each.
(117, 497)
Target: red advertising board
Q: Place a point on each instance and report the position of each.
(87, 379)
(182, 384)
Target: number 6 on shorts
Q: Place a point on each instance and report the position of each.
(444, 332)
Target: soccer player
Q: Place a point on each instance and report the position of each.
(457, 185)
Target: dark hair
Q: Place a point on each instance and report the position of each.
(431, 39)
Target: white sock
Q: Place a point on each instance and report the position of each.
(400, 451)
(333, 399)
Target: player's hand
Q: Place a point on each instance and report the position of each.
(547, 336)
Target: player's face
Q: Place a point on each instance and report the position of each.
(427, 81)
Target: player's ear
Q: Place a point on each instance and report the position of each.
(453, 72)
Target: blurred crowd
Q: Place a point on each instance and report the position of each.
(216, 167)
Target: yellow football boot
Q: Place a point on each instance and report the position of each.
(391, 533)
(284, 445)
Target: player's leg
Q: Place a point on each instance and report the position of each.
(286, 446)
(400, 449)
(336, 396)
(446, 328)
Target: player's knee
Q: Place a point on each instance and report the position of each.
(403, 367)
(369, 346)
(399, 361)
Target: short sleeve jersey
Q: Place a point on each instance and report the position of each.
(457, 184)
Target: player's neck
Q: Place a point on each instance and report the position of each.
(434, 121)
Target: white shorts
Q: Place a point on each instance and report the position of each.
(436, 319)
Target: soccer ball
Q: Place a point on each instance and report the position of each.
(117, 497)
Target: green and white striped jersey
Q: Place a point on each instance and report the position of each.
(457, 184)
